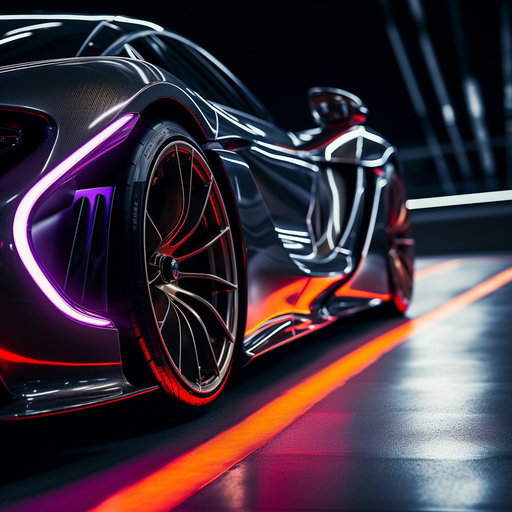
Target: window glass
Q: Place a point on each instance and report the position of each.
(196, 70)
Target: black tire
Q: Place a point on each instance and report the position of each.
(175, 274)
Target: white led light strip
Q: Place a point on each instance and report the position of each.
(461, 199)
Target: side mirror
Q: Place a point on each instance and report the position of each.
(332, 108)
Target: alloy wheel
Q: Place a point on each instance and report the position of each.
(401, 251)
(190, 267)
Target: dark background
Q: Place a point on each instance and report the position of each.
(281, 49)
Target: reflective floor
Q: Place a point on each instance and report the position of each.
(427, 426)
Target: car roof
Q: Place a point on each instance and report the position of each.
(41, 36)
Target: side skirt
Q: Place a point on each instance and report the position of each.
(41, 398)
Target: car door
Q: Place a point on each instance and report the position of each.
(291, 208)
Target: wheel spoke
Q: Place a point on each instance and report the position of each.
(404, 281)
(204, 245)
(186, 171)
(201, 339)
(402, 223)
(152, 279)
(403, 218)
(207, 354)
(217, 327)
(401, 252)
(406, 261)
(402, 275)
(211, 277)
(398, 214)
(189, 359)
(162, 323)
(171, 329)
(199, 200)
(160, 305)
(182, 194)
(153, 237)
(165, 202)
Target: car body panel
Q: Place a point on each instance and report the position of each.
(301, 270)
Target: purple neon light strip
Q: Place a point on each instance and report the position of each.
(22, 217)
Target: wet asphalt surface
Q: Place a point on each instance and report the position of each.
(426, 427)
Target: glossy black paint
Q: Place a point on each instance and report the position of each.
(280, 183)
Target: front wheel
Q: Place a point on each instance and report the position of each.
(182, 272)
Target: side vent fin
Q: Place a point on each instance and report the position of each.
(77, 264)
(95, 289)
(87, 263)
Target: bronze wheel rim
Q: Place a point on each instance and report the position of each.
(190, 267)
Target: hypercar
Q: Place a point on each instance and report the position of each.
(157, 227)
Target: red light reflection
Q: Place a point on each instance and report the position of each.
(347, 291)
(17, 358)
(277, 303)
(315, 288)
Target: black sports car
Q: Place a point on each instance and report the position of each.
(156, 225)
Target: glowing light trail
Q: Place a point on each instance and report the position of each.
(438, 268)
(21, 225)
(178, 480)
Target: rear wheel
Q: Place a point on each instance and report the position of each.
(400, 244)
(185, 312)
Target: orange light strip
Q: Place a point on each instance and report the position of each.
(178, 480)
(444, 266)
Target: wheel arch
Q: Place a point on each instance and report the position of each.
(174, 110)
(221, 176)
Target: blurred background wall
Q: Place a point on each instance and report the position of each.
(436, 76)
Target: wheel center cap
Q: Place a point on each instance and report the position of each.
(168, 269)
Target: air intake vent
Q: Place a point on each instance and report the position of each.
(86, 275)
(73, 245)
(21, 133)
